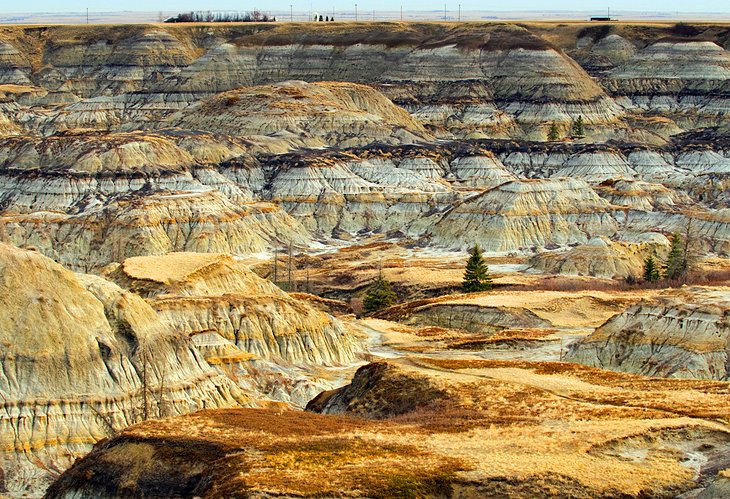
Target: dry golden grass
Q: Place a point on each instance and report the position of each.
(504, 337)
(600, 394)
(563, 309)
(515, 429)
(172, 267)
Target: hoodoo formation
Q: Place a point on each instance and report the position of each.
(233, 260)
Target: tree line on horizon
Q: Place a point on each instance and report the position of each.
(254, 16)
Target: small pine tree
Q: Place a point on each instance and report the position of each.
(578, 128)
(676, 264)
(553, 133)
(332, 19)
(651, 270)
(379, 295)
(476, 274)
(326, 19)
(321, 18)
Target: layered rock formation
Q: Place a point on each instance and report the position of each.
(80, 358)
(154, 225)
(335, 114)
(470, 80)
(102, 197)
(683, 334)
(684, 79)
(244, 325)
(123, 146)
(601, 257)
(202, 292)
(522, 214)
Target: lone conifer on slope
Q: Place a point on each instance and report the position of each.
(676, 264)
(379, 295)
(553, 133)
(578, 129)
(651, 270)
(476, 274)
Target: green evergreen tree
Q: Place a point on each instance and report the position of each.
(476, 274)
(379, 295)
(578, 127)
(676, 263)
(553, 133)
(651, 270)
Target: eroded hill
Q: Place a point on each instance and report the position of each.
(192, 173)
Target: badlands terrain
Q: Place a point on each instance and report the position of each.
(191, 215)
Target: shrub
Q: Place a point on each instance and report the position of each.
(379, 295)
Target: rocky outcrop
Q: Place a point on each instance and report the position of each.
(682, 333)
(475, 318)
(686, 80)
(600, 51)
(95, 62)
(14, 68)
(377, 391)
(460, 81)
(641, 196)
(154, 225)
(510, 80)
(202, 292)
(334, 114)
(526, 213)
(246, 326)
(80, 357)
(73, 172)
(601, 257)
(347, 193)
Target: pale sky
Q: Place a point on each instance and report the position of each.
(364, 5)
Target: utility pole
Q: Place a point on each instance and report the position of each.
(87, 15)
(401, 13)
(355, 12)
(145, 409)
(373, 15)
(291, 13)
(444, 12)
(288, 264)
(276, 263)
(459, 12)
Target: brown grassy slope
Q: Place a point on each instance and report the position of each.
(481, 428)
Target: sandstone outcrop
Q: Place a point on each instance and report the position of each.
(201, 292)
(235, 317)
(337, 114)
(80, 357)
(682, 334)
(686, 80)
(601, 257)
(526, 213)
(156, 224)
